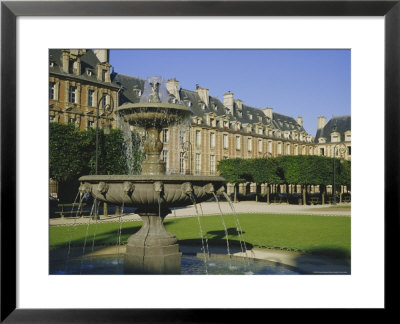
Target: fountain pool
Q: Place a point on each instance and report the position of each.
(191, 264)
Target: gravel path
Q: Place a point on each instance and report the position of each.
(211, 208)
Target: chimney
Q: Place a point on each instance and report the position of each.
(102, 55)
(228, 101)
(268, 112)
(65, 60)
(173, 88)
(239, 104)
(300, 121)
(321, 122)
(203, 94)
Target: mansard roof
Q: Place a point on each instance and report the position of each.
(342, 124)
(89, 62)
(279, 121)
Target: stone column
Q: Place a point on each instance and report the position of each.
(152, 250)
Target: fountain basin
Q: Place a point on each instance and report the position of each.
(152, 250)
(150, 192)
(153, 114)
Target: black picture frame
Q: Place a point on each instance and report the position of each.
(10, 10)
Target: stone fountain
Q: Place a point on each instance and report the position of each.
(152, 250)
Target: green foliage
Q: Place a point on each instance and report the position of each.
(343, 172)
(306, 169)
(234, 170)
(68, 154)
(73, 152)
(299, 169)
(264, 170)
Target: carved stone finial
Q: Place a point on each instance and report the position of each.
(154, 96)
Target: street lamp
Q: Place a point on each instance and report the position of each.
(267, 154)
(108, 109)
(341, 150)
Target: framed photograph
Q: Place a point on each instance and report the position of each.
(30, 291)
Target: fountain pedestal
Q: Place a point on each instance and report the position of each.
(152, 250)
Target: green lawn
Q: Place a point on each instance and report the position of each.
(307, 233)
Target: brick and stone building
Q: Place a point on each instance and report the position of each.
(218, 129)
(79, 81)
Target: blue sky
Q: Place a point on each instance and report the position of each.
(307, 83)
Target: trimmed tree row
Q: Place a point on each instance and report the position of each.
(303, 170)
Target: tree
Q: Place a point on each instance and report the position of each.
(264, 170)
(234, 171)
(73, 154)
(67, 152)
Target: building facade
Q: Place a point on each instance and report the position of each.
(333, 139)
(79, 82)
(218, 129)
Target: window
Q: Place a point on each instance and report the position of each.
(259, 146)
(90, 98)
(182, 163)
(303, 150)
(249, 145)
(71, 94)
(90, 123)
(212, 164)
(165, 158)
(52, 118)
(198, 138)
(237, 142)
(212, 140)
(103, 75)
(71, 67)
(51, 90)
(296, 150)
(71, 120)
(287, 149)
(349, 150)
(279, 148)
(104, 101)
(321, 151)
(225, 141)
(260, 131)
(198, 163)
(165, 135)
(269, 149)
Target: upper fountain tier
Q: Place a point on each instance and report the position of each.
(154, 109)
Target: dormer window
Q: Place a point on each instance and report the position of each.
(259, 118)
(335, 137)
(251, 117)
(51, 64)
(103, 75)
(89, 73)
(203, 106)
(321, 140)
